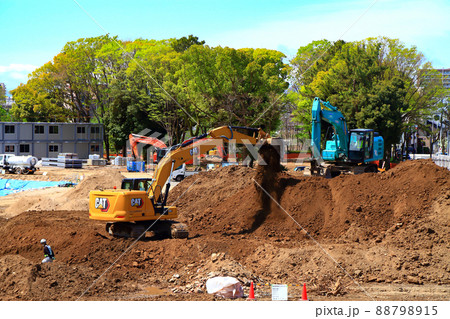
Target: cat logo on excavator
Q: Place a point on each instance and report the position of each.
(137, 202)
(194, 151)
(102, 204)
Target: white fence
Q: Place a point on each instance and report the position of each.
(440, 160)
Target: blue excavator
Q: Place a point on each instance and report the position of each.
(346, 151)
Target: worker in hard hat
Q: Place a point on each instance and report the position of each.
(48, 252)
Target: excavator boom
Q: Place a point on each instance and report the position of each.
(324, 111)
(200, 145)
(135, 139)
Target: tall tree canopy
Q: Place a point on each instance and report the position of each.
(176, 86)
(377, 83)
(2, 94)
(236, 87)
(3, 113)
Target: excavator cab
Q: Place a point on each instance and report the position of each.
(137, 184)
(365, 146)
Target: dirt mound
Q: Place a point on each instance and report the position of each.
(15, 272)
(79, 195)
(104, 179)
(391, 214)
(268, 185)
(76, 198)
(81, 255)
(388, 230)
(38, 176)
(357, 207)
(22, 279)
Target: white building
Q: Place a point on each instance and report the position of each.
(445, 77)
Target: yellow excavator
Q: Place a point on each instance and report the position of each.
(140, 204)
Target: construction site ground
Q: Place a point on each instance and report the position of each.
(378, 236)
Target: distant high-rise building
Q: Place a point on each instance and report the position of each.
(7, 100)
(445, 77)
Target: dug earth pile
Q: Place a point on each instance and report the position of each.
(388, 231)
(61, 198)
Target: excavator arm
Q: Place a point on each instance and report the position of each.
(333, 116)
(196, 146)
(135, 139)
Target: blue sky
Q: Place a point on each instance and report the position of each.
(33, 32)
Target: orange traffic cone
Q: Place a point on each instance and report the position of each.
(304, 296)
(251, 295)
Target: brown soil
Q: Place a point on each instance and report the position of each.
(388, 231)
(60, 198)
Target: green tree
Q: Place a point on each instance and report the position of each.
(2, 95)
(301, 112)
(3, 112)
(128, 113)
(32, 103)
(376, 83)
(184, 43)
(236, 87)
(73, 87)
(4, 115)
(153, 76)
(178, 86)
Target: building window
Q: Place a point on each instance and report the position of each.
(53, 129)
(24, 148)
(53, 148)
(95, 130)
(10, 129)
(81, 130)
(95, 148)
(39, 129)
(9, 148)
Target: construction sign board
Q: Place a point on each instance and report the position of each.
(279, 292)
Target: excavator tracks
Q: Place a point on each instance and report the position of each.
(164, 229)
(179, 230)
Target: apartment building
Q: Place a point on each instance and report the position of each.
(445, 77)
(50, 139)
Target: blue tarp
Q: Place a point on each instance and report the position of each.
(136, 166)
(9, 186)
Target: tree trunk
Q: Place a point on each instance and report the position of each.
(106, 140)
(387, 158)
(431, 145)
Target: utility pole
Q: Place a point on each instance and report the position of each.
(431, 139)
(416, 139)
(448, 142)
(441, 146)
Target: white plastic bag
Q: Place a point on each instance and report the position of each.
(226, 287)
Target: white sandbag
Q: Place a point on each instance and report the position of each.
(226, 287)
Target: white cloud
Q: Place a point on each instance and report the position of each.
(17, 68)
(14, 74)
(19, 76)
